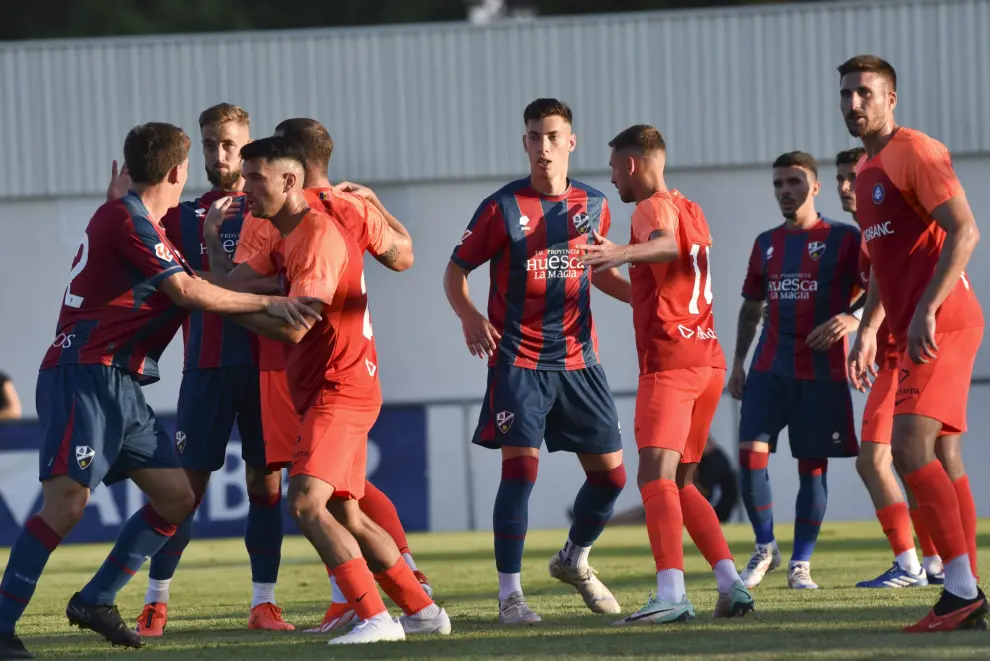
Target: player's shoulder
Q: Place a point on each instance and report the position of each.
(840, 228)
(507, 192)
(592, 192)
(124, 211)
(908, 144)
(766, 236)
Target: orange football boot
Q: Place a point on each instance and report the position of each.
(337, 618)
(956, 614)
(151, 623)
(268, 617)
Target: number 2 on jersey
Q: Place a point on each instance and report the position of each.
(71, 299)
(695, 251)
(367, 311)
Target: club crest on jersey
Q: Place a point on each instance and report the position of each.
(180, 441)
(582, 223)
(504, 420)
(84, 456)
(816, 249)
(877, 193)
(163, 253)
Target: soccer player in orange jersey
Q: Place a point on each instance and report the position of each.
(332, 371)
(920, 233)
(682, 371)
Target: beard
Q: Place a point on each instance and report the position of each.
(223, 181)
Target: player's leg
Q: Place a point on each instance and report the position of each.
(948, 450)
(933, 400)
(931, 561)
(264, 529)
(583, 420)
(379, 508)
(763, 414)
(513, 419)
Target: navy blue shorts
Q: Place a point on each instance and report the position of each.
(572, 410)
(210, 400)
(96, 426)
(818, 415)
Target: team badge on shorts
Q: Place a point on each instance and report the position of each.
(180, 441)
(582, 223)
(84, 456)
(816, 249)
(504, 420)
(878, 193)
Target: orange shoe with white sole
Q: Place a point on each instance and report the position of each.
(151, 623)
(338, 617)
(268, 617)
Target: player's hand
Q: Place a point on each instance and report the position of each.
(921, 345)
(294, 311)
(862, 360)
(481, 336)
(737, 381)
(826, 335)
(602, 255)
(120, 182)
(220, 210)
(356, 189)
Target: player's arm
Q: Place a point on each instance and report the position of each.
(750, 315)
(243, 279)
(11, 409)
(389, 241)
(611, 282)
(276, 329)
(824, 336)
(220, 261)
(961, 236)
(660, 248)
(873, 312)
(751, 312)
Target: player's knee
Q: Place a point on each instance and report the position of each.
(612, 480)
(305, 506)
(873, 461)
(949, 454)
(812, 467)
(262, 483)
(64, 510)
(179, 504)
(685, 475)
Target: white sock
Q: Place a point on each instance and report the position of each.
(427, 613)
(381, 617)
(932, 564)
(157, 591)
(725, 575)
(507, 584)
(573, 555)
(409, 561)
(908, 561)
(959, 577)
(338, 596)
(670, 585)
(262, 593)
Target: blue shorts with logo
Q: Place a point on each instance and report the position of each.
(210, 401)
(96, 426)
(572, 410)
(818, 415)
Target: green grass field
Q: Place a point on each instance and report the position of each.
(211, 595)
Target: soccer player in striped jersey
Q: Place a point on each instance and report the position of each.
(127, 295)
(544, 378)
(806, 272)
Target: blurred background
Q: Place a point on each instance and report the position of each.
(424, 101)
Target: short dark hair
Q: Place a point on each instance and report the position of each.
(547, 107)
(797, 159)
(151, 151)
(223, 113)
(273, 149)
(870, 64)
(641, 137)
(849, 156)
(311, 138)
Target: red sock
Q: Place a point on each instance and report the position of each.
(703, 526)
(967, 512)
(664, 522)
(377, 507)
(939, 509)
(896, 523)
(358, 585)
(401, 586)
(925, 540)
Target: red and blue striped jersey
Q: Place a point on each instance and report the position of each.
(112, 312)
(210, 340)
(540, 294)
(806, 276)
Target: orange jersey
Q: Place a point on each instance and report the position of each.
(896, 192)
(672, 302)
(336, 360)
(258, 237)
(358, 217)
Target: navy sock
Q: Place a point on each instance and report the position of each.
(28, 557)
(511, 516)
(811, 500)
(754, 479)
(263, 536)
(594, 504)
(166, 561)
(141, 537)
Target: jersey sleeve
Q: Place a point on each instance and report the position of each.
(258, 236)
(145, 248)
(864, 264)
(754, 286)
(484, 237)
(316, 263)
(653, 215)
(606, 220)
(929, 173)
(379, 232)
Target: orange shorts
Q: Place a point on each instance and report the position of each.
(939, 389)
(333, 446)
(279, 420)
(878, 416)
(674, 409)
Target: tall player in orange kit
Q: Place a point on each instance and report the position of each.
(682, 371)
(920, 233)
(333, 382)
